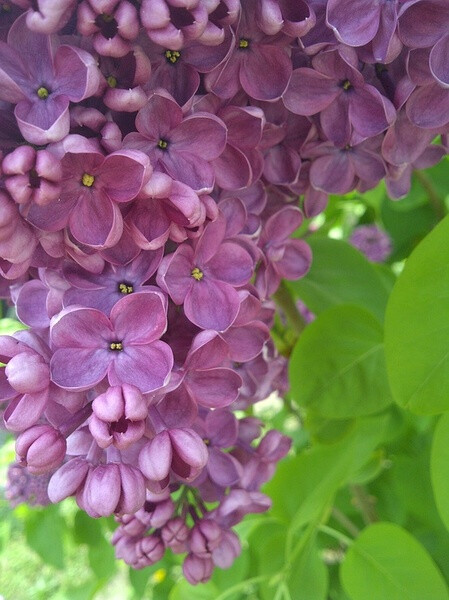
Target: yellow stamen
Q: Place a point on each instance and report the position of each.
(112, 81)
(107, 18)
(346, 85)
(43, 93)
(197, 274)
(116, 346)
(125, 289)
(162, 144)
(172, 56)
(88, 180)
(243, 43)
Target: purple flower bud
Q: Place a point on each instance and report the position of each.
(196, 569)
(118, 417)
(205, 537)
(41, 449)
(132, 495)
(101, 493)
(227, 550)
(67, 479)
(28, 373)
(174, 534)
(149, 550)
(32, 175)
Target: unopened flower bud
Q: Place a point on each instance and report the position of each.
(205, 537)
(41, 449)
(67, 479)
(174, 534)
(149, 550)
(27, 373)
(196, 569)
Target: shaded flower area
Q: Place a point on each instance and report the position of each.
(158, 164)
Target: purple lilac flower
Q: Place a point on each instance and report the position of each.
(142, 249)
(103, 290)
(92, 185)
(42, 82)
(356, 23)
(22, 487)
(125, 347)
(261, 68)
(180, 147)
(374, 243)
(113, 25)
(336, 90)
(204, 278)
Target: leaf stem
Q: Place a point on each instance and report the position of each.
(345, 522)
(341, 537)
(435, 201)
(364, 503)
(242, 585)
(285, 302)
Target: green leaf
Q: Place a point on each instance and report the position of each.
(308, 578)
(139, 579)
(226, 578)
(386, 562)
(337, 367)
(87, 530)
(9, 326)
(327, 431)
(417, 327)
(439, 468)
(406, 227)
(44, 531)
(340, 274)
(316, 475)
(271, 558)
(184, 591)
(102, 560)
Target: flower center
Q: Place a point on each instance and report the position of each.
(5, 8)
(125, 288)
(116, 346)
(107, 25)
(112, 81)
(172, 56)
(43, 93)
(197, 274)
(162, 144)
(243, 44)
(34, 179)
(87, 180)
(346, 85)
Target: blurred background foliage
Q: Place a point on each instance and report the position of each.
(361, 504)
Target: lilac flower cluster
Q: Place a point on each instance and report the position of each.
(150, 156)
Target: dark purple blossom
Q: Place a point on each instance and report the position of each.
(181, 147)
(256, 64)
(336, 90)
(113, 25)
(103, 290)
(92, 186)
(125, 347)
(204, 278)
(42, 82)
(374, 243)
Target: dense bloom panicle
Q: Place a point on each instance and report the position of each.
(152, 155)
